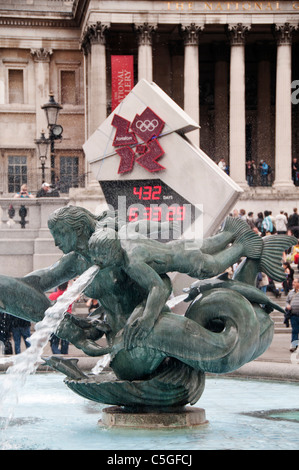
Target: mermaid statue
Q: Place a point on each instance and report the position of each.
(158, 359)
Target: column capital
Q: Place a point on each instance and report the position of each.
(237, 33)
(191, 33)
(94, 34)
(283, 33)
(145, 33)
(41, 54)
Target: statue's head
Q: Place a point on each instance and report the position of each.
(71, 227)
(105, 248)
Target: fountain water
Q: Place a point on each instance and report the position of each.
(27, 362)
(50, 416)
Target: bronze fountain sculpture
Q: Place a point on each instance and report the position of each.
(158, 359)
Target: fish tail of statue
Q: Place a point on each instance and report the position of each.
(273, 248)
(250, 242)
(245, 243)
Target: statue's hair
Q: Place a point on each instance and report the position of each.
(75, 217)
(106, 240)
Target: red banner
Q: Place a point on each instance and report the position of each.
(122, 72)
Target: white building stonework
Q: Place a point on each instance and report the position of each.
(230, 65)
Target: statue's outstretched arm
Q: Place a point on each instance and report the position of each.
(66, 268)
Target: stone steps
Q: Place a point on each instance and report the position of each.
(277, 316)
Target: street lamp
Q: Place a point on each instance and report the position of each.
(42, 149)
(55, 130)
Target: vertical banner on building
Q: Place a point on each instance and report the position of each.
(122, 77)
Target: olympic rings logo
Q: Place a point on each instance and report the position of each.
(147, 125)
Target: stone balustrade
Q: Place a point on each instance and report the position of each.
(23, 250)
(38, 211)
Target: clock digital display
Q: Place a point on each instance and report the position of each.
(150, 199)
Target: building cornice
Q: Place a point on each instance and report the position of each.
(36, 22)
(158, 12)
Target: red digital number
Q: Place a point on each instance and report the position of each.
(156, 192)
(176, 213)
(147, 193)
(181, 211)
(157, 214)
(133, 214)
(148, 213)
(137, 192)
(170, 214)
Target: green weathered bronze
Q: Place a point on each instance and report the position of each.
(158, 358)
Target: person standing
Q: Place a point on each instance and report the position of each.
(23, 193)
(293, 223)
(259, 221)
(20, 329)
(54, 341)
(263, 282)
(267, 225)
(295, 171)
(289, 272)
(5, 333)
(47, 191)
(281, 223)
(292, 314)
(264, 173)
(250, 220)
(249, 173)
(222, 164)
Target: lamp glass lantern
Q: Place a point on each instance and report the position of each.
(42, 147)
(51, 109)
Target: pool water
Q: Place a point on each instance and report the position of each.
(242, 414)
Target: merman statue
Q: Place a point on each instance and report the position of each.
(151, 348)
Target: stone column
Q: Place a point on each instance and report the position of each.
(145, 53)
(191, 76)
(221, 102)
(94, 45)
(41, 59)
(237, 128)
(264, 147)
(2, 83)
(283, 123)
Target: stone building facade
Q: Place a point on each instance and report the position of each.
(231, 65)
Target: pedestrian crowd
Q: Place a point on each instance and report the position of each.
(13, 329)
(46, 190)
(265, 224)
(258, 175)
(261, 174)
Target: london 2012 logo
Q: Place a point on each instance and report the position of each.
(145, 151)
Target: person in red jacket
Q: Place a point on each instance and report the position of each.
(54, 340)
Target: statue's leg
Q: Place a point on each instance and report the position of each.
(21, 299)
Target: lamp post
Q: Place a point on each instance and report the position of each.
(52, 109)
(42, 149)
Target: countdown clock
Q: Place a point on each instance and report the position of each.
(140, 153)
(151, 200)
